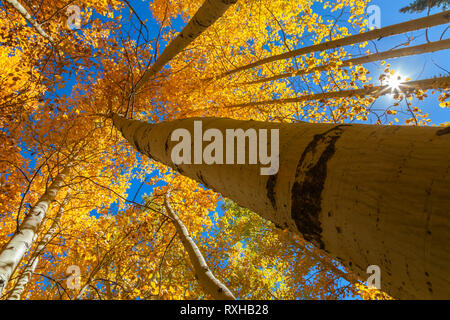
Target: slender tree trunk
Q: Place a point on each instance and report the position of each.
(209, 12)
(366, 195)
(409, 51)
(24, 13)
(376, 91)
(205, 277)
(21, 241)
(417, 24)
(34, 260)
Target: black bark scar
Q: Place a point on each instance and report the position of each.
(270, 187)
(166, 144)
(202, 180)
(136, 138)
(306, 193)
(443, 131)
(176, 167)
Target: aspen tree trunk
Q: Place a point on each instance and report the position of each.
(24, 13)
(25, 277)
(417, 24)
(409, 51)
(21, 241)
(364, 194)
(406, 87)
(205, 277)
(207, 14)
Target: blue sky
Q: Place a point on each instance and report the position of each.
(415, 67)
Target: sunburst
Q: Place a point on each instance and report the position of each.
(395, 81)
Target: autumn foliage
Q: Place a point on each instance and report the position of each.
(55, 99)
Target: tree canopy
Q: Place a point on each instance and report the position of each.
(107, 233)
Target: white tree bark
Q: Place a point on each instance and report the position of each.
(209, 12)
(409, 51)
(24, 13)
(364, 194)
(375, 91)
(203, 274)
(25, 277)
(21, 241)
